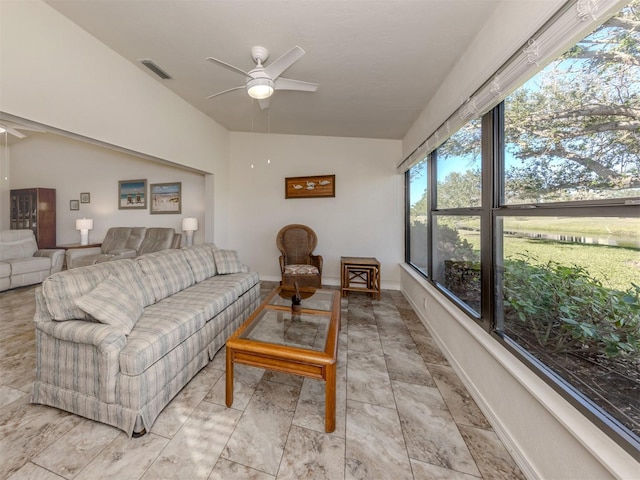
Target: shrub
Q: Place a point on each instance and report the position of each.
(569, 311)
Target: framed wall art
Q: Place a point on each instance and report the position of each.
(132, 194)
(166, 197)
(74, 205)
(85, 197)
(310, 187)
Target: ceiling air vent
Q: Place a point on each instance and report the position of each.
(155, 68)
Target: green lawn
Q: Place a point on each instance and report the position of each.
(615, 267)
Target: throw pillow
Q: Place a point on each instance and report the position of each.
(111, 303)
(227, 261)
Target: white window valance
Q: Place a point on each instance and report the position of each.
(575, 20)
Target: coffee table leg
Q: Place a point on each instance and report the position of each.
(229, 378)
(330, 399)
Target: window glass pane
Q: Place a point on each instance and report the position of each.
(572, 131)
(456, 257)
(570, 295)
(459, 168)
(418, 215)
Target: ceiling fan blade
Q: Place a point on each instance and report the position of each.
(264, 103)
(275, 69)
(289, 84)
(15, 132)
(225, 91)
(228, 66)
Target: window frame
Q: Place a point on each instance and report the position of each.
(493, 174)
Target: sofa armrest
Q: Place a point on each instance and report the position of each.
(74, 253)
(55, 254)
(105, 337)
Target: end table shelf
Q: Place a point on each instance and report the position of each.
(360, 274)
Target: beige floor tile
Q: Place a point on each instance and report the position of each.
(431, 434)
(374, 443)
(194, 450)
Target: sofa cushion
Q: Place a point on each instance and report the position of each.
(228, 261)
(239, 282)
(130, 273)
(20, 266)
(167, 271)
(156, 239)
(200, 258)
(5, 270)
(162, 327)
(119, 238)
(113, 303)
(211, 298)
(62, 289)
(17, 244)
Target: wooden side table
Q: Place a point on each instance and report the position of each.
(360, 274)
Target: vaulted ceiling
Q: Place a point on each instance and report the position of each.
(378, 62)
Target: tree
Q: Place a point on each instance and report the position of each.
(575, 127)
(460, 190)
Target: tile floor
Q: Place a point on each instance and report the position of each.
(402, 413)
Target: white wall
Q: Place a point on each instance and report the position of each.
(56, 74)
(71, 167)
(364, 219)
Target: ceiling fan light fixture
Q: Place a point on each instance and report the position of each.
(260, 88)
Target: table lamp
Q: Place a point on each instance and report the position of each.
(84, 225)
(189, 225)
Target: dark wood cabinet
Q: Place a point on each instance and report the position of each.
(35, 209)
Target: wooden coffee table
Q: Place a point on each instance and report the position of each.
(304, 343)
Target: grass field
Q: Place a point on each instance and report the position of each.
(615, 267)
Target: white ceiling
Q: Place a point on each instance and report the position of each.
(378, 62)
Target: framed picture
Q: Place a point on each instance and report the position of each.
(308, 187)
(132, 194)
(166, 197)
(85, 197)
(74, 205)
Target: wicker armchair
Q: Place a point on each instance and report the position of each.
(297, 262)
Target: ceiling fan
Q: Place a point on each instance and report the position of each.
(262, 81)
(14, 128)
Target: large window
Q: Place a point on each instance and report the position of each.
(417, 195)
(545, 191)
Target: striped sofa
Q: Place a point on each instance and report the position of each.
(116, 341)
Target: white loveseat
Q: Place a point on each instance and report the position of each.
(116, 341)
(22, 263)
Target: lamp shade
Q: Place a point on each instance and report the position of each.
(84, 224)
(189, 224)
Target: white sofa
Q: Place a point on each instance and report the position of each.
(116, 341)
(22, 263)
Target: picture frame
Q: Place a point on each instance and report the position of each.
(166, 198)
(85, 197)
(74, 204)
(310, 186)
(132, 194)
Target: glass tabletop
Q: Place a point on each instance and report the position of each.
(282, 327)
(311, 299)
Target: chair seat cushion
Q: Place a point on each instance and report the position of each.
(301, 270)
(21, 266)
